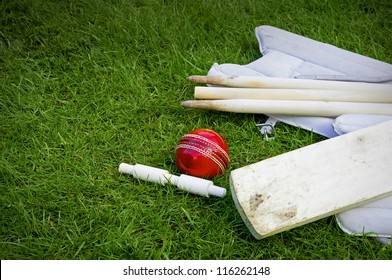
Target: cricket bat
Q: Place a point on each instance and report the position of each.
(317, 181)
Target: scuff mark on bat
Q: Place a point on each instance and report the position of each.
(255, 201)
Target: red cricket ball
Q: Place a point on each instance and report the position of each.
(202, 153)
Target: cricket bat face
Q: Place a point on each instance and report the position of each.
(314, 182)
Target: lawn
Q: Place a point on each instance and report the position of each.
(86, 85)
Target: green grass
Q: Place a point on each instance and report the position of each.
(86, 85)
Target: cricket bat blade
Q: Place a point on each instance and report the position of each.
(314, 182)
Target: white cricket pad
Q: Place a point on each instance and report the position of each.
(288, 55)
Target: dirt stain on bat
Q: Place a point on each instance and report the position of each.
(255, 201)
(289, 214)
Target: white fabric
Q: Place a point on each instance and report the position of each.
(351, 122)
(288, 55)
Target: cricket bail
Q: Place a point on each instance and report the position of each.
(184, 182)
(217, 191)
